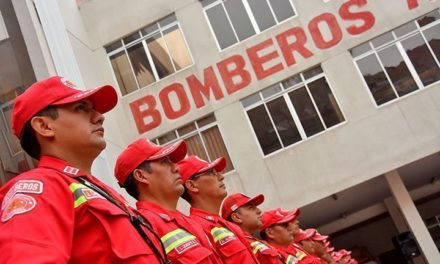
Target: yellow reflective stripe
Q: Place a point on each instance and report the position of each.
(79, 201)
(291, 260)
(256, 246)
(219, 233)
(178, 243)
(75, 186)
(175, 238)
(300, 255)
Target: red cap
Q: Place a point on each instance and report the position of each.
(277, 216)
(57, 91)
(194, 165)
(235, 201)
(142, 150)
(319, 237)
(305, 234)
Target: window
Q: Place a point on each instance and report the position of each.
(292, 110)
(203, 139)
(236, 20)
(403, 60)
(148, 55)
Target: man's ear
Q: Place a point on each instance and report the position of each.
(43, 126)
(270, 233)
(191, 186)
(141, 176)
(236, 218)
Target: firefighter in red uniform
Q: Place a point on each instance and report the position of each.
(313, 243)
(150, 174)
(205, 191)
(243, 211)
(59, 212)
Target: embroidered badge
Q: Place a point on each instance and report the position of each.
(185, 246)
(23, 186)
(226, 240)
(165, 217)
(234, 207)
(90, 194)
(71, 170)
(18, 204)
(68, 83)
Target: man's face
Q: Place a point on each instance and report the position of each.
(79, 128)
(164, 178)
(281, 234)
(294, 227)
(249, 217)
(309, 246)
(210, 184)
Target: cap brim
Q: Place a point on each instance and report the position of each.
(292, 215)
(176, 152)
(104, 98)
(320, 237)
(218, 164)
(257, 200)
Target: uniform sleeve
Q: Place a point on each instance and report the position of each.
(37, 218)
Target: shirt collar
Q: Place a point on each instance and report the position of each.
(204, 214)
(150, 206)
(60, 165)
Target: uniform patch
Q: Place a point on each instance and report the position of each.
(185, 246)
(23, 186)
(226, 240)
(165, 217)
(71, 170)
(18, 204)
(90, 194)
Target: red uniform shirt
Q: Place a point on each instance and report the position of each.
(184, 240)
(49, 217)
(265, 253)
(227, 238)
(295, 254)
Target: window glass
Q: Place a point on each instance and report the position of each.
(429, 18)
(264, 130)
(306, 111)
(283, 121)
(216, 147)
(397, 70)
(123, 73)
(220, 25)
(432, 35)
(239, 18)
(159, 53)
(326, 102)
(262, 14)
(376, 79)
(140, 64)
(422, 60)
(282, 8)
(176, 45)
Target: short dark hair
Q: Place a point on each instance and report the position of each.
(131, 185)
(229, 218)
(263, 234)
(28, 138)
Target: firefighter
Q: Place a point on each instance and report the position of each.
(149, 173)
(205, 191)
(59, 212)
(243, 211)
(314, 243)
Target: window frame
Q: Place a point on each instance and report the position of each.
(142, 39)
(397, 41)
(198, 131)
(251, 18)
(284, 93)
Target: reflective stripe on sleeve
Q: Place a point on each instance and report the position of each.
(175, 238)
(219, 233)
(256, 245)
(78, 196)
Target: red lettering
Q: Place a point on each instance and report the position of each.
(257, 61)
(238, 70)
(164, 97)
(412, 4)
(198, 89)
(367, 18)
(317, 35)
(298, 45)
(143, 108)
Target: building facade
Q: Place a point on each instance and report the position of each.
(331, 106)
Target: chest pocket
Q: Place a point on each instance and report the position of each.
(124, 240)
(227, 242)
(183, 247)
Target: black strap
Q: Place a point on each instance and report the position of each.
(136, 221)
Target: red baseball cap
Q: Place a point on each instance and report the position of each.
(305, 234)
(194, 165)
(142, 150)
(235, 201)
(277, 216)
(319, 237)
(57, 91)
